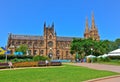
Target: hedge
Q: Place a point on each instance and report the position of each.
(114, 57)
(9, 57)
(40, 58)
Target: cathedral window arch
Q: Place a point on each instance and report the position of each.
(58, 52)
(34, 52)
(30, 44)
(50, 44)
(41, 52)
(24, 42)
(41, 43)
(67, 54)
(18, 43)
(35, 43)
(50, 37)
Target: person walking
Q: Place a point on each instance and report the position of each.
(46, 61)
(10, 64)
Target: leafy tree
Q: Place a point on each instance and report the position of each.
(117, 42)
(76, 47)
(22, 48)
(83, 46)
(87, 45)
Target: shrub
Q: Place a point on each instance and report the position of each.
(99, 59)
(94, 59)
(15, 60)
(105, 59)
(21, 60)
(114, 57)
(36, 58)
(43, 58)
(9, 57)
(40, 58)
(2, 56)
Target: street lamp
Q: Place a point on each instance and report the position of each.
(91, 54)
(77, 57)
(50, 54)
(6, 58)
(91, 51)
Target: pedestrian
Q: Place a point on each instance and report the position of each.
(46, 62)
(10, 64)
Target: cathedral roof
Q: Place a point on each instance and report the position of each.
(26, 37)
(29, 37)
(64, 38)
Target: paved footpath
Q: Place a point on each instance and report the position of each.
(100, 66)
(112, 68)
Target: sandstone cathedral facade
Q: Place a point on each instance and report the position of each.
(50, 44)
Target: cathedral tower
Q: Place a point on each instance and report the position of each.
(93, 31)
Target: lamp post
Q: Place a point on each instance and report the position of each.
(91, 51)
(91, 54)
(50, 54)
(77, 56)
(6, 58)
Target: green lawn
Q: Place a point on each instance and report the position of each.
(112, 62)
(67, 73)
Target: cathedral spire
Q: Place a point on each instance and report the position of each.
(93, 22)
(44, 24)
(53, 24)
(55, 33)
(44, 27)
(87, 27)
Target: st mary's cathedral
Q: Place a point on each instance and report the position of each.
(50, 44)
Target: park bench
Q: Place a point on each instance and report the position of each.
(55, 63)
(41, 63)
(3, 65)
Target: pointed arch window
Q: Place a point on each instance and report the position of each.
(41, 52)
(50, 43)
(50, 37)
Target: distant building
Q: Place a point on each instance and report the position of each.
(49, 44)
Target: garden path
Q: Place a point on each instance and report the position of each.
(97, 66)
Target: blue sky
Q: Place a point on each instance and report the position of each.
(69, 16)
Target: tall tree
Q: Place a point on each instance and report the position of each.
(117, 42)
(22, 48)
(76, 47)
(86, 46)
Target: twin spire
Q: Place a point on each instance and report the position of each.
(93, 27)
(93, 31)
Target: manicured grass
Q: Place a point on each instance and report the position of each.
(112, 62)
(67, 73)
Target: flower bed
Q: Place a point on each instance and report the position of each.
(25, 64)
(36, 64)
